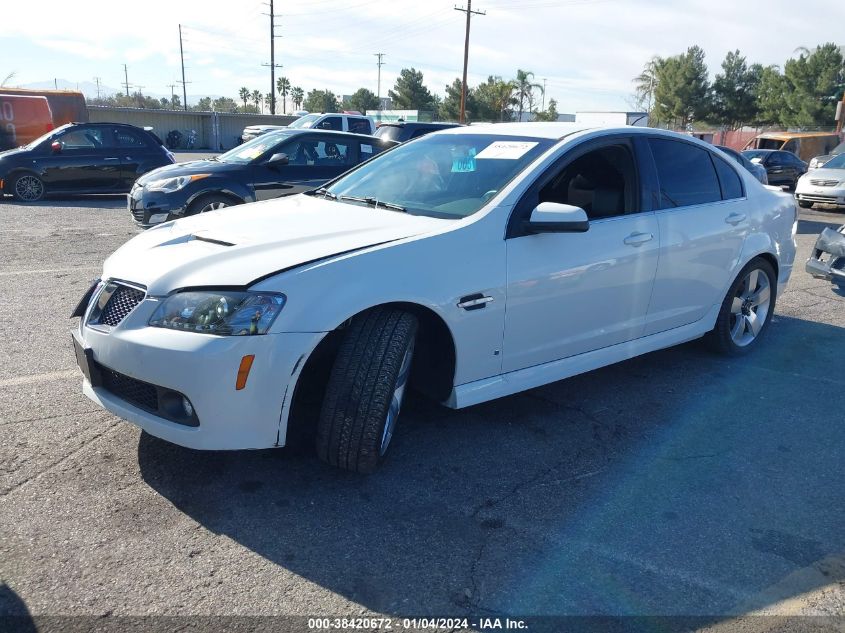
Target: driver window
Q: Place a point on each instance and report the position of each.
(90, 138)
(602, 182)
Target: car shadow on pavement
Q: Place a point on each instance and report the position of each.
(93, 201)
(677, 483)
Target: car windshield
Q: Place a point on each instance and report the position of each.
(46, 137)
(249, 151)
(442, 176)
(837, 162)
(305, 121)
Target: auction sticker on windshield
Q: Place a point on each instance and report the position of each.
(508, 150)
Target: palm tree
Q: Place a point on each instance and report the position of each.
(646, 82)
(283, 86)
(524, 88)
(504, 97)
(256, 99)
(244, 95)
(268, 100)
(297, 94)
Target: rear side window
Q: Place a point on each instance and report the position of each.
(389, 132)
(128, 138)
(686, 174)
(330, 123)
(731, 184)
(359, 126)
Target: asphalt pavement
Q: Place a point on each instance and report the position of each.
(677, 483)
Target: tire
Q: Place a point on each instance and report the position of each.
(804, 204)
(210, 202)
(365, 389)
(736, 333)
(28, 188)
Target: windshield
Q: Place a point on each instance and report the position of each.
(305, 121)
(838, 162)
(442, 176)
(249, 151)
(46, 137)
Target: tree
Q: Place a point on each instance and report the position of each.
(203, 105)
(224, 104)
(814, 84)
(550, 114)
(243, 93)
(297, 95)
(321, 101)
(256, 97)
(494, 98)
(450, 107)
(363, 100)
(682, 90)
(409, 93)
(283, 87)
(735, 91)
(268, 99)
(524, 89)
(645, 84)
(770, 95)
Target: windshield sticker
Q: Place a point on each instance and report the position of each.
(367, 148)
(507, 150)
(252, 152)
(463, 160)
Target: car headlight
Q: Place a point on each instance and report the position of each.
(169, 185)
(813, 163)
(224, 312)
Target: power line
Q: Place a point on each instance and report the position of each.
(469, 13)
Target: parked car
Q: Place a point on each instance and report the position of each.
(783, 169)
(805, 145)
(756, 169)
(475, 262)
(828, 258)
(825, 185)
(254, 131)
(406, 130)
(819, 161)
(81, 158)
(275, 164)
(23, 119)
(355, 123)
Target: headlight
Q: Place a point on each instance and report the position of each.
(169, 185)
(225, 313)
(813, 163)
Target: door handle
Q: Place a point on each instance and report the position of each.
(474, 302)
(638, 239)
(735, 218)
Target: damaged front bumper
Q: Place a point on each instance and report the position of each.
(828, 259)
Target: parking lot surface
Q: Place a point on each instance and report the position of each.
(678, 483)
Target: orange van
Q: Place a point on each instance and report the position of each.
(805, 145)
(23, 119)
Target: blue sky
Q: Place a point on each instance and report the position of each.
(588, 50)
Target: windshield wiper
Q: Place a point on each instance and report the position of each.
(375, 203)
(322, 191)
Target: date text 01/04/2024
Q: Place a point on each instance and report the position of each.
(415, 624)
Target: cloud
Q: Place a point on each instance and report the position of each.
(75, 48)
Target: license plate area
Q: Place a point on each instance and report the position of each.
(85, 360)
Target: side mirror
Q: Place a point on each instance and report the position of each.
(552, 217)
(56, 146)
(278, 159)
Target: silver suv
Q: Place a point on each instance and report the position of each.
(355, 123)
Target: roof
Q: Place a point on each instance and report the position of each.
(789, 135)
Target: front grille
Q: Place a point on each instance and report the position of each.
(138, 213)
(815, 197)
(139, 393)
(122, 301)
(824, 183)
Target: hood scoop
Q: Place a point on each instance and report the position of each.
(211, 240)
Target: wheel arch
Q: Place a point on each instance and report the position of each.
(9, 178)
(432, 373)
(224, 193)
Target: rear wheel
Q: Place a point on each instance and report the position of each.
(747, 309)
(28, 188)
(211, 202)
(365, 389)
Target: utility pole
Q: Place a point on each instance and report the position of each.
(273, 65)
(182, 58)
(172, 93)
(380, 64)
(126, 79)
(543, 106)
(469, 13)
(97, 80)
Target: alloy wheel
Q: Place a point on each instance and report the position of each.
(750, 307)
(396, 401)
(29, 188)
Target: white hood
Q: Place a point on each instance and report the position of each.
(825, 173)
(237, 245)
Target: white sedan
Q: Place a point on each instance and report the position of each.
(825, 185)
(471, 264)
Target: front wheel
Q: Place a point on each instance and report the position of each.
(28, 188)
(365, 389)
(211, 202)
(747, 309)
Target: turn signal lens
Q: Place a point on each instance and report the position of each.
(243, 371)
